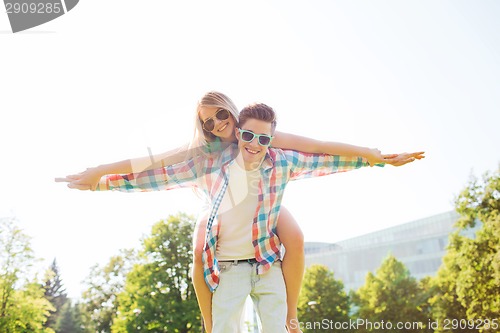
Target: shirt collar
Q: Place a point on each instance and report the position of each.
(269, 159)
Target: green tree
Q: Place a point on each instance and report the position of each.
(99, 301)
(389, 297)
(159, 296)
(322, 297)
(79, 317)
(69, 320)
(16, 255)
(28, 310)
(55, 293)
(468, 283)
(23, 307)
(445, 303)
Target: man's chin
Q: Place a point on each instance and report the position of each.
(249, 157)
(252, 163)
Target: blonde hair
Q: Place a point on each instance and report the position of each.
(211, 99)
(201, 138)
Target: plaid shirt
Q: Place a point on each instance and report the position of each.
(211, 174)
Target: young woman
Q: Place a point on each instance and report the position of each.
(215, 120)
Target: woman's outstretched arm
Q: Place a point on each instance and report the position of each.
(88, 179)
(373, 155)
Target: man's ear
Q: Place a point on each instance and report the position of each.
(237, 133)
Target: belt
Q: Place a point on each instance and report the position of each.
(240, 261)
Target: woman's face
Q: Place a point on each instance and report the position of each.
(213, 120)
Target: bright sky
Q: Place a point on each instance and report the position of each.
(111, 78)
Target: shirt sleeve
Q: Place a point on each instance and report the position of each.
(304, 165)
(176, 176)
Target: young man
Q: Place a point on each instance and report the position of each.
(244, 185)
(244, 246)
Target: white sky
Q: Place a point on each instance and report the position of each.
(110, 78)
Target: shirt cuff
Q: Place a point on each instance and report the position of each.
(103, 184)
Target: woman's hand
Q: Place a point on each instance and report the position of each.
(86, 180)
(402, 159)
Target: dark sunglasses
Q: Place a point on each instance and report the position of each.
(209, 123)
(248, 136)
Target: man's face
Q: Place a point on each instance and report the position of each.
(252, 152)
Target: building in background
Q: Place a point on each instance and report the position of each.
(420, 245)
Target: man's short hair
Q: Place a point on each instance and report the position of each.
(259, 111)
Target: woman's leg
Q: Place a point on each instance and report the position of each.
(293, 263)
(203, 294)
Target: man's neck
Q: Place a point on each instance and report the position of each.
(253, 166)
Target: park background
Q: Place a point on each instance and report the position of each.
(110, 79)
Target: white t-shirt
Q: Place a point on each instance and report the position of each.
(236, 214)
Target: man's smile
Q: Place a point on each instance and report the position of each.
(252, 151)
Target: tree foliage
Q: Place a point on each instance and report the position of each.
(69, 320)
(391, 296)
(468, 283)
(322, 297)
(55, 293)
(100, 303)
(23, 307)
(158, 295)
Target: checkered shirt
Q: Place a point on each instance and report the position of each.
(210, 175)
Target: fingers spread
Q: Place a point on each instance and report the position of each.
(62, 179)
(83, 187)
(418, 155)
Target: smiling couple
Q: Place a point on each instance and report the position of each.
(238, 240)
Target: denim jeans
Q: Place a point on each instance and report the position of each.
(267, 291)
